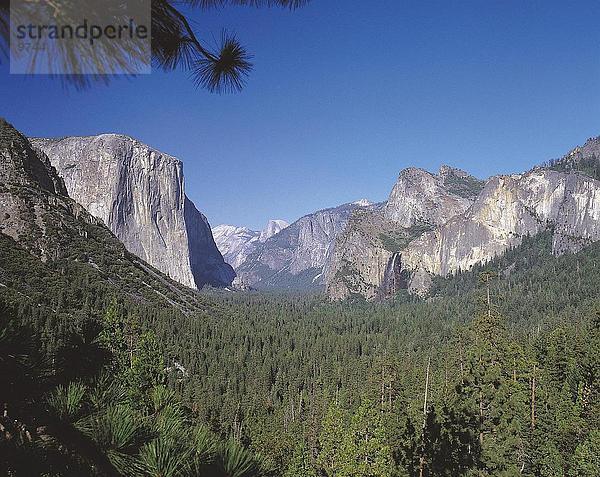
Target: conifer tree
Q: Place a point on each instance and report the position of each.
(365, 451)
(331, 440)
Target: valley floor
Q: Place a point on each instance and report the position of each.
(267, 384)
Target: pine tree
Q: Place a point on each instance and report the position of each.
(586, 460)
(493, 391)
(300, 464)
(365, 451)
(330, 441)
(405, 442)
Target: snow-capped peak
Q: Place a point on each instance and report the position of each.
(236, 243)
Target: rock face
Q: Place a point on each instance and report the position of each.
(419, 197)
(29, 188)
(35, 210)
(584, 159)
(23, 165)
(47, 239)
(363, 258)
(273, 227)
(295, 257)
(138, 192)
(360, 254)
(509, 208)
(236, 243)
(438, 225)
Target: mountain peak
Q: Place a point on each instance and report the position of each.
(225, 229)
(582, 159)
(273, 227)
(414, 172)
(589, 150)
(446, 171)
(237, 243)
(422, 197)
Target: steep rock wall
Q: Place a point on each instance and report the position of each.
(138, 192)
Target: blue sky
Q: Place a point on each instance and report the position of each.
(347, 93)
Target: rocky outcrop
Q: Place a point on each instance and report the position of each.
(295, 257)
(272, 228)
(441, 224)
(49, 242)
(138, 192)
(419, 197)
(509, 208)
(23, 165)
(29, 189)
(206, 262)
(360, 255)
(584, 159)
(236, 243)
(35, 210)
(364, 258)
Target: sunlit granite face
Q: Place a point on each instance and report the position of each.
(138, 192)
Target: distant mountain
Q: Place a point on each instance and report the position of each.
(295, 257)
(51, 248)
(139, 193)
(236, 243)
(273, 227)
(437, 225)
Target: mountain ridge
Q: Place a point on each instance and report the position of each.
(295, 257)
(431, 224)
(418, 201)
(561, 195)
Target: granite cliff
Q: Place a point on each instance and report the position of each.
(440, 224)
(508, 209)
(51, 247)
(138, 192)
(418, 202)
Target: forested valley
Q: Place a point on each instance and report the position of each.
(495, 373)
(296, 238)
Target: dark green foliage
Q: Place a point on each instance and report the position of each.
(122, 423)
(589, 166)
(303, 281)
(396, 240)
(467, 186)
(315, 388)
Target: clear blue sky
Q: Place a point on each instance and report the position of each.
(347, 93)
